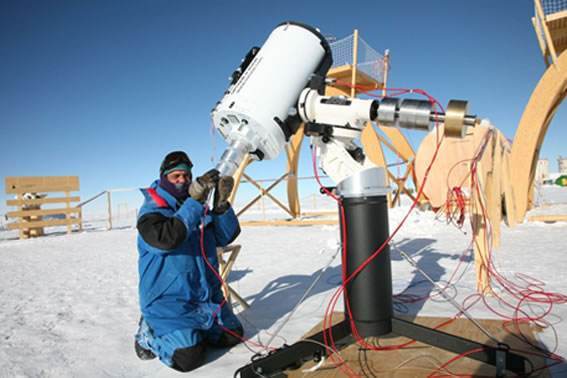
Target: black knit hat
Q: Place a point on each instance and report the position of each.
(175, 161)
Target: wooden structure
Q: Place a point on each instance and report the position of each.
(488, 202)
(29, 213)
(225, 267)
(372, 141)
(551, 218)
(551, 31)
(504, 173)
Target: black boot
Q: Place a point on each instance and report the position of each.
(143, 354)
(227, 339)
(187, 359)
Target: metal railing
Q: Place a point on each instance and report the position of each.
(553, 6)
(368, 60)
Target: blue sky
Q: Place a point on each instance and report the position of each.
(104, 89)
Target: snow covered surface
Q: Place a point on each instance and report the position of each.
(550, 200)
(69, 303)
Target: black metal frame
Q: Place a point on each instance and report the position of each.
(372, 315)
(313, 348)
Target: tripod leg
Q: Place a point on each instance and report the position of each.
(294, 355)
(498, 356)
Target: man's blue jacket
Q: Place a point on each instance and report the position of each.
(177, 289)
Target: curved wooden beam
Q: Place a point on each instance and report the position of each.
(546, 97)
(238, 176)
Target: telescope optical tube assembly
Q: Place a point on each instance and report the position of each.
(258, 113)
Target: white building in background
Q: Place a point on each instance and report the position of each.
(542, 171)
(562, 163)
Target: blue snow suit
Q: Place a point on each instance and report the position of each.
(179, 294)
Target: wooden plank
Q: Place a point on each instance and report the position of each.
(496, 206)
(557, 17)
(548, 218)
(559, 34)
(35, 184)
(548, 39)
(508, 190)
(41, 189)
(266, 192)
(46, 223)
(81, 218)
(22, 233)
(492, 192)
(292, 222)
(68, 216)
(399, 144)
(41, 201)
(344, 74)
(354, 63)
(293, 152)
(31, 213)
(386, 71)
(343, 71)
(481, 245)
(422, 360)
(540, 41)
(318, 213)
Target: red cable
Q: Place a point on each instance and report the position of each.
(532, 293)
(472, 351)
(327, 321)
(528, 293)
(223, 284)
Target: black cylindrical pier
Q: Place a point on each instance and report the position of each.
(370, 292)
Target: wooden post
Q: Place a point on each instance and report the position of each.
(480, 243)
(109, 202)
(548, 39)
(264, 192)
(386, 69)
(399, 144)
(496, 206)
(293, 150)
(68, 215)
(507, 188)
(22, 232)
(354, 62)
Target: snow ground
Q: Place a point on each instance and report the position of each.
(69, 302)
(550, 200)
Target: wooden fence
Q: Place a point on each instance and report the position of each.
(33, 192)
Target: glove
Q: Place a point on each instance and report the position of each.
(201, 187)
(223, 190)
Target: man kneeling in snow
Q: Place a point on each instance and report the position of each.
(180, 296)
